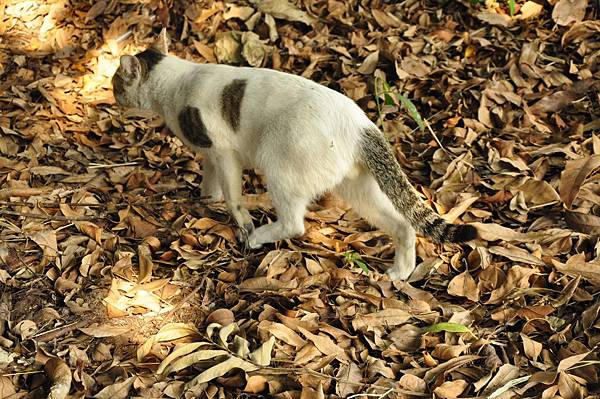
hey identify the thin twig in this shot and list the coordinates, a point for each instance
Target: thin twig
(22, 373)
(113, 165)
(97, 205)
(437, 140)
(287, 370)
(62, 330)
(58, 218)
(372, 395)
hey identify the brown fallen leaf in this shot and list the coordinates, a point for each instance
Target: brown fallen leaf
(412, 383)
(516, 254)
(119, 390)
(451, 389)
(566, 12)
(583, 222)
(532, 348)
(581, 31)
(557, 101)
(104, 330)
(60, 375)
(505, 373)
(282, 9)
(577, 266)
(325, 345)
(222, 316)
(464, 285)
(282, 332)
(386, 317)
(349, 378)
(255, 384)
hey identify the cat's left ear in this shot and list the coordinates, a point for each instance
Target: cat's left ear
(161, 44)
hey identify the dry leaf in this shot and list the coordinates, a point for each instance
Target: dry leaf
(283, 9)
(119, 390)
(464, 285)
(451, 389)
(60, 375)
(566, 12)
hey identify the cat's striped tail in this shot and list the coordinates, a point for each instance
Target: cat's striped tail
(377, 155)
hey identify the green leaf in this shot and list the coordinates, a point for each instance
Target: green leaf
(388, 99)
(362, 265)
(511, 7)
(386, 86)
(355, 259)
(412, 111)
(450, 327)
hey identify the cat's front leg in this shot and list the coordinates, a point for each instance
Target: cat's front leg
(210, 187)
(228, 169)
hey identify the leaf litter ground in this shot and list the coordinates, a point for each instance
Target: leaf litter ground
(119, 281)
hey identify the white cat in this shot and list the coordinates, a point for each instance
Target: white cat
(306, 138)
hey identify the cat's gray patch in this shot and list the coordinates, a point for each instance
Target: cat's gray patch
(148, 60)
(192, 127)
(118, 85)
(231, 102)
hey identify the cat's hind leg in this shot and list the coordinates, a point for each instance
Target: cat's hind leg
(362, 192)
(290, 208)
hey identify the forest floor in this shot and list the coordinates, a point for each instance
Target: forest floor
(118, 280)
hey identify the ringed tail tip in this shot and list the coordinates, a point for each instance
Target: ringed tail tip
(463, 232)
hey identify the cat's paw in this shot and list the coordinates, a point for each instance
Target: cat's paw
(243, 236)
(397, 274)
(253, 244)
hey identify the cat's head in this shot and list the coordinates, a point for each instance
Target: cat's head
(129, 82)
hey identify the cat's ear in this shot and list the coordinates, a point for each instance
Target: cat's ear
(161, 44)
(130, 69)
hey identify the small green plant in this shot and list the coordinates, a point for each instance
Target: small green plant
(354, 258)
(509, 3)
(388, 99)
(511, 7)
(450, 327)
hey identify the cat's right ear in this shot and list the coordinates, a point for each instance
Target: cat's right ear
(130, 69)
(162, 42)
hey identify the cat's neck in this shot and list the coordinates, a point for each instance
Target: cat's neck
(166, 82)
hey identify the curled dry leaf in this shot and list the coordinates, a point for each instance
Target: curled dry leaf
(532, 348)
(7, 388)
(412, 383)
(253, 50)
(170, 332)
(581, 31)
(583, 222)
(465, 286)
(119, 390)
(223, 317)
(104, 330)
(566, 12)
(255, 384)
(451, 389)
(283, 9)
(282, 332)
(241, 12)
(325, 345)
(228, 47)
(386, 317)
(60, 375)
(369, 64)
(577, 266)
(349, 378)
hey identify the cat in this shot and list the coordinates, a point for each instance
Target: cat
(306, 138)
